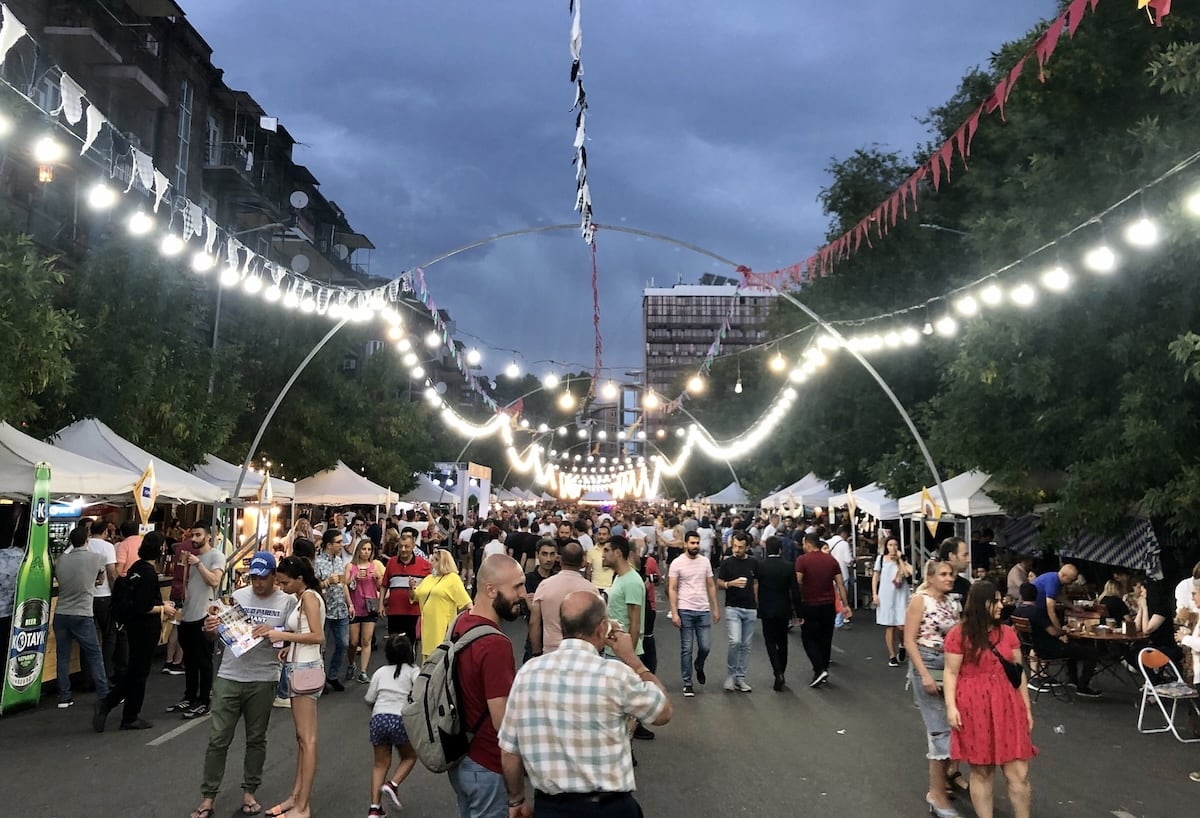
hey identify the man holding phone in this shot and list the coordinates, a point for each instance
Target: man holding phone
(404, 571)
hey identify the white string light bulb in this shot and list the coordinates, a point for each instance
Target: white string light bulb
(417, 372)
(1192, 203)
(404, 345)
(566, 401)
(778, 364)
(582, 434)
(474, 357)
(395, 332)
(991, 295)
(602, 435)
(737, 387)
(650, 401)
(433, 340)
(1100, 259)
(231, 276)
(892, 339)
(140, 224)
(171, 245)
(946, 326)
(410, 359)
(910, 336)
(1142, 233)
(524, 424)
(47, 150)
(307, 302)
(252, 284)
(513, 371)
(1056, 279)
(291, 299)
(562, 431)
(101, 196)
(1023, 295)
(202, 262)
(695, 384)
(550, 380)
(967, 306)
(609, 391)
(542, 429)
(797, 376)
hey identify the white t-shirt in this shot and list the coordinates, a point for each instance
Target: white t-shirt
(106, 550)
(389, 692)
(1183, 596)
(465, 536)
(839, 549)
(546, 530)
(494, 547)
(769, 531)
(586, 541)
(707, 537)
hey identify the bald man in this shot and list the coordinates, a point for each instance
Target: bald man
(485, 673)
(582, 765)
(545, 627)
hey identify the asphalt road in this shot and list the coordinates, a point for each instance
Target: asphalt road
(853, 748)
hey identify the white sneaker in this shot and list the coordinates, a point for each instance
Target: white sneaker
(729, 684)
(281, 702)
(741, 686)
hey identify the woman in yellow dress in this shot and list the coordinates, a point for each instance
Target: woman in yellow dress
(441, 596)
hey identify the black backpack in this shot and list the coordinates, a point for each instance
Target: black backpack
(121, 604)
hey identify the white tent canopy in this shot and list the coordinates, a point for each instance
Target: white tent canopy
(731, 495)
(599, 496)
(546, 498)
(427, 491)
(871, 499)
(224, 474)
(69, 473)
(342, 485)
(967, 495)
(791, 495)
(91, 438)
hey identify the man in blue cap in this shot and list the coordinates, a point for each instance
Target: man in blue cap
(245, 688)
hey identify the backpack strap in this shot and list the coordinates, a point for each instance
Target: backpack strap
(463, 641)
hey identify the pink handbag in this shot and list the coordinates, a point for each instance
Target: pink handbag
(304, 681)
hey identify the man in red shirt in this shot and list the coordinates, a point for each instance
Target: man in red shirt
(485, 675)
(402, 572)
(820, 578)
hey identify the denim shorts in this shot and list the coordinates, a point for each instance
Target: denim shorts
(284, 692)
(933, 708)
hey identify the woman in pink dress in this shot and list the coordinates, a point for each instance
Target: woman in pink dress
(990, 720)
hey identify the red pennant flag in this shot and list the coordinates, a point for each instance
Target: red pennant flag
(960, 140)
(946, 154)
(895, 206)
(936, 167)
(1161, 9)
(1013, 75)
(1075, 15)
(1047, 43)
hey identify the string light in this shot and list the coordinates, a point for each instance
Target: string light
(171, 245)
(231, 276)
(1142, 233)
(609, 391)
(101, 196)
(1100, 259)
(1056, 279)
(47, 150)
(395, 332)
(566, 401)
(513, 371)
(967, 306)
(778, 364)
(1023, 295)
(252, 284)
(650, 401)
(550, 380)
(202, 262)
(737, 387)
(474, 357)
(695, 384)
(433, 340)
(991, 295)
(140, 224)
(946, 326)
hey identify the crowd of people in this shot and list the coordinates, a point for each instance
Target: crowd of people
(589, 586)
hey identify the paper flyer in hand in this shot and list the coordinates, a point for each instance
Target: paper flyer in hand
(235, 627)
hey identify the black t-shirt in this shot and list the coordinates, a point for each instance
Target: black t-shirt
(1160, 600)
(734, 568)
(962, 587)
(523, 545)
(1114, 607)
(1039, 621)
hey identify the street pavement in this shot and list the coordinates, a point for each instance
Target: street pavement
(853, 748)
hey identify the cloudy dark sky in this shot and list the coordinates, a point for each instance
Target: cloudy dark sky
(434, 124)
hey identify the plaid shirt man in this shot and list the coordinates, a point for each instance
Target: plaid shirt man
(584, 689)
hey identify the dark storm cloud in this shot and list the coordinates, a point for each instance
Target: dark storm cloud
(435, 124)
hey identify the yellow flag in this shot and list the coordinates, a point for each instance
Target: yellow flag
(266, 491)
(930, 511)
(145, 492)
(851, 503)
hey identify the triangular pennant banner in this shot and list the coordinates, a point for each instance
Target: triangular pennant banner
(71, 95)
(95, 121)
(11, 31)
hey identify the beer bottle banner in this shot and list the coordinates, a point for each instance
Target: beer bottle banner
(31, 607)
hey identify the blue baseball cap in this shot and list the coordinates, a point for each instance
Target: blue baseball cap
(262, 564)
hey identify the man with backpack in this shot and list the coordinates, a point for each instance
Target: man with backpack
(485, 670)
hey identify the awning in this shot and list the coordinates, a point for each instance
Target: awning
(967, 495)
(224, 474)
(70, 473)
(342, 485)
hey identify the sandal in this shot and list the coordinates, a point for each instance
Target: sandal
(251, 807)
(956, 783)
(203, 812)
(279, 810)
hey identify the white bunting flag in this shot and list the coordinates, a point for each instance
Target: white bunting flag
(95, 121)
(71, 94)
(11, 31)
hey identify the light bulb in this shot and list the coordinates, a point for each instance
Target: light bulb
(778, 364)
(171, 245)
(1142, 233)
(252, 284)
(410, 359)
(1056, 279)
(542, 429)
(101, 196)
(581, 434)
(566, 401)
(140, 224)
(308, 303)
(512, 370)
(231, 276)
(524, 424)
(737, 387)
(1023, 295)
(798, 376)
(641, 435)
(695, 384)
(550, 380)
(395, 332)
(473, 357)
(967, 306)
(47, 150)
(602, 435)
(609, 391)
(946, 326)
(562, 431)
(417, 372)
(404, 345)
(927, 329)
(660, 434)
(650, 401)
(433, 340)
(891, 340)
(909, 336)
(1193, 203)
(202, 262)
(291, 300)
(679, 432)
(991, 295)
(1100, 259)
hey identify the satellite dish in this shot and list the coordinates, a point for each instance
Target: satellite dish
(300, 263)
(441, 387)
(298, 199)
(341, 251)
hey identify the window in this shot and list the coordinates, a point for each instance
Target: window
(46, 94)
(185, 137)
(212, 144)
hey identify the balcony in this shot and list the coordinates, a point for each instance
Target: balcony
(229, 168)
(121, 55)
(82, 42)
(134, 83)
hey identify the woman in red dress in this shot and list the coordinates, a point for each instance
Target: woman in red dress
(991, 721)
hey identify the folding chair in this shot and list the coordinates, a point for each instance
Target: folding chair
(1178, 690)
(1043, 675)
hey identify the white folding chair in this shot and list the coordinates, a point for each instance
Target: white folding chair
(1176, 691)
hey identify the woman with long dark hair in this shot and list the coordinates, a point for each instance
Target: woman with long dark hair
(890, 593)
(991, 720)
(306, 633)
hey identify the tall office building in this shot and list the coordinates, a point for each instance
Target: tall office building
(680, 322)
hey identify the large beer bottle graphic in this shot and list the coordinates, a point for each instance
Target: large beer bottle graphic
(31, 608)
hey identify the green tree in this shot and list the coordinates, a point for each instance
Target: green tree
(36, 335)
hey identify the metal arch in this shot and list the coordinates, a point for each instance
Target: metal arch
(656, 237)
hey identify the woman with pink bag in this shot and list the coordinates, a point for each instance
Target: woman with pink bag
(364, 578)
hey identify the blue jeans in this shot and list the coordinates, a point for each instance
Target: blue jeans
(69, 629)
(480, 792)
(694, 626)
(337, 634)
(740, 622)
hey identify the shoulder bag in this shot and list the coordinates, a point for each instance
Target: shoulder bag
(304, 681)
(1012, 670)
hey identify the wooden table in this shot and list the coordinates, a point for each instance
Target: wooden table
(1109, 643)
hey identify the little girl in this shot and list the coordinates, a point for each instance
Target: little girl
(388, 692)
